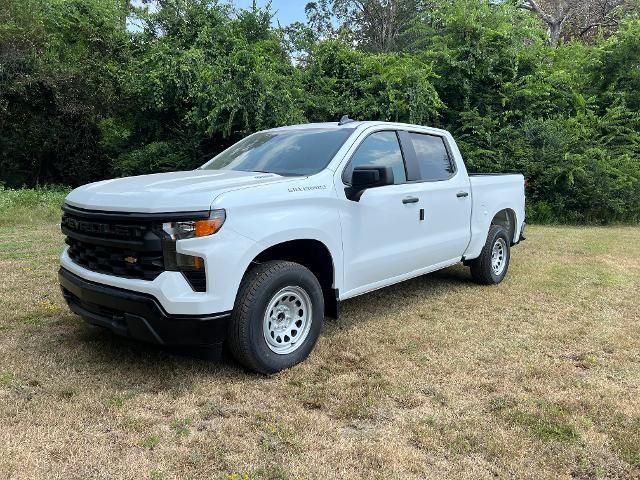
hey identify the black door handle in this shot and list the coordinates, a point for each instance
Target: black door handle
(462, 194)
(410, 200)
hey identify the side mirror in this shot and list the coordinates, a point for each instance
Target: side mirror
(364, 178)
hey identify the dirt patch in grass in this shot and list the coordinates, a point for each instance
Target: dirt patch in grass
(538, 377)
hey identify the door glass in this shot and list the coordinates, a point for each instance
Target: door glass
(380, 149)
(433, 159)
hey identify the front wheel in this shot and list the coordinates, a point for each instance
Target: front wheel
(277, 317)
(491, 266)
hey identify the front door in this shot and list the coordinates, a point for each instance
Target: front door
(383, 236)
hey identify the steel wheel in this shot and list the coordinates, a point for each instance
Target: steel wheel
(499, 256)
(287, 320)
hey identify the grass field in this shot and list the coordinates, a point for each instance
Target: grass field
(538, 377)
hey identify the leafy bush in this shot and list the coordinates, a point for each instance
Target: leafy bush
(390, 87)
(82, 98)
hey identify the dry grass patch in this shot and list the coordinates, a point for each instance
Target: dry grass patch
(538, 377)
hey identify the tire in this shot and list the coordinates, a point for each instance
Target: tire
(292, 297)
(487, 269)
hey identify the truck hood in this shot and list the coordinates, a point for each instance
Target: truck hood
(165, 192)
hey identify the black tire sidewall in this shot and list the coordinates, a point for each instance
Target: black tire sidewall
(300, 277)
(498, 233)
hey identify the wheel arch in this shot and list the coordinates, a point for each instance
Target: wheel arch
(481, 222)
(313, 254)
(507, 218)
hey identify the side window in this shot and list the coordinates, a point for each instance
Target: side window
(380, 149)
(433, 159)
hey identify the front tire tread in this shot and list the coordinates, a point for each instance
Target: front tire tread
(241, 337)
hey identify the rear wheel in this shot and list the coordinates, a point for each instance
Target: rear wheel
(277, 317)
(491, 266)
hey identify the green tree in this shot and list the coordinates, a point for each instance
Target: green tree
(391, 87)
(202, 77)
(54, 57)
(82, 98)
(374, 25)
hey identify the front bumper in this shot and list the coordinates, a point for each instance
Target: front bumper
(138, 315)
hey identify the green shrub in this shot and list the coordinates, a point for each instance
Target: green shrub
(82, 98)
(31, 205)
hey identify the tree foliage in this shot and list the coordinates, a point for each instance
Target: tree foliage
(54, 58)
(82, 97)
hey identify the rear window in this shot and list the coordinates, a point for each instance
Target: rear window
(433, 158)
(284, 152)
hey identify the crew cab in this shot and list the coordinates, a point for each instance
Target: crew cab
(255, 247)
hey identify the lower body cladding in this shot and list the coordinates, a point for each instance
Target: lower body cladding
(139, 316)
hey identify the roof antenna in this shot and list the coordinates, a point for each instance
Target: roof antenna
(345, 119)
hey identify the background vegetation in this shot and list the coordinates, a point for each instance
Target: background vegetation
(551, 89)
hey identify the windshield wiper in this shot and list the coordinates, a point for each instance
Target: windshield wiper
(280, 174)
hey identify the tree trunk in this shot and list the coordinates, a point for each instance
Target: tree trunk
(554, 22)
(555, 31)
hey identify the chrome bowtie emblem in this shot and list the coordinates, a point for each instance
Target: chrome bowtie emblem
(130, 260)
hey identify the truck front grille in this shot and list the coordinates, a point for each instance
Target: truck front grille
(116, 261)
(114, 243)
(129, 245)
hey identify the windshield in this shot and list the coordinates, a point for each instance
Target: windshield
(284, 152)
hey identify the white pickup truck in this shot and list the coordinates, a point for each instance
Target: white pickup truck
(257, 245)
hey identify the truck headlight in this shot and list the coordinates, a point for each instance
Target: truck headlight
(195, 228)
(191, 266)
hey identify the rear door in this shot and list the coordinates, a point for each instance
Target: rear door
(445, 196)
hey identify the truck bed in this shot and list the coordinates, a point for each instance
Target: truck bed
(493, 192)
